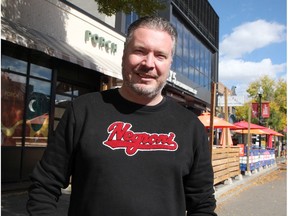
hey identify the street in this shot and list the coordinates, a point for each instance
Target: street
(265, 196)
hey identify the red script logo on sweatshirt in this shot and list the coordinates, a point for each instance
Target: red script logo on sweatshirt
(121, 137)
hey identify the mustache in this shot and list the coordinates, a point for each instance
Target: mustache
(146, 73)
(144, 69)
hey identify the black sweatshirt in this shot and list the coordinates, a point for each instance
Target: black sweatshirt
(125, 159)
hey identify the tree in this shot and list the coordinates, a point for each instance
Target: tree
(142, 8)
(275, 93)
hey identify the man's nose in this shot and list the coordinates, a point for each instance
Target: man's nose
(149, 60)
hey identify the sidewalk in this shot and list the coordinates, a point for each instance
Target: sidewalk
(13, 203)
(224, 191)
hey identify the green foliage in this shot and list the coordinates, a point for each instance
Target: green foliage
(242, 112)
(142, 8)
(274, 92)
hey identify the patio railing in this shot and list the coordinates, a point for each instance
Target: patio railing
(226, 163)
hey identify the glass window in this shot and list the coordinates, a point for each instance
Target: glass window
(178, 64)
(77, 91)
(180, 41)
(37, 114)
(65, 93)
(186, 46)
(14, 81)
(12, 107)
(185, 69)
(192, 57)
(197, 77)
(9, 64)
(41, 72)
(131, 17)
(191, 73)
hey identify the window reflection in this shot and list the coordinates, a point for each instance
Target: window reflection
(11, 64)
(192, 58)
(37, 112)
(41, 72)
(12, 108)
(40, 86)
(14, 82)
(65, 93)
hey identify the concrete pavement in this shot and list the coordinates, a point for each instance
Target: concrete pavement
(266, 195)
(13, 202)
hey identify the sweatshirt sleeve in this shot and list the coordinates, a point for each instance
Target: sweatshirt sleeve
(53, 171)
(198, 184)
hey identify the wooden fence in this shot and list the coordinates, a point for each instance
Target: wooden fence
(226, 163)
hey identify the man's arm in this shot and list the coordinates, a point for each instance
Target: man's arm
(198, 184)
(53, 171)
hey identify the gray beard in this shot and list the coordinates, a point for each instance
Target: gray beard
(145, 92)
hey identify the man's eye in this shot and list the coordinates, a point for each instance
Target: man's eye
(161, 57)
(138, 51)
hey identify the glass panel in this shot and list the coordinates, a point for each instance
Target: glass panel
(178, 65)
(131, 17)
(59, 112)
(180, 41)
(197, 77)
(192, 52)
(37, 113)
(64, 88)
(191, 73)
(11, 64)
(62, 100)
(185, 70)
(77, 91)
(186, 46)
(42, 72)
(12, 108)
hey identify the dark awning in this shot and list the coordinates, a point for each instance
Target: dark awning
(30, 38)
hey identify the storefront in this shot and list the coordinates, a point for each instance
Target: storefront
(43, 68)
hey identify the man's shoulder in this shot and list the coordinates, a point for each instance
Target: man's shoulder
(91, 97)
(178, 108)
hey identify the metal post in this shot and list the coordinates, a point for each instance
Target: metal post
(249, 141)
(260, 92)
(212, 111)
(225, 130)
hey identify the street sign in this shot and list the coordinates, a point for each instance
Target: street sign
(231, 101)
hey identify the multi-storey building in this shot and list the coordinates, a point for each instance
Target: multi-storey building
(55, 50)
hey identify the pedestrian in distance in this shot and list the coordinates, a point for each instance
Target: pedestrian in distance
(129, 151)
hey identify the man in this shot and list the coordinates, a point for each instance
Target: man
(130, 151)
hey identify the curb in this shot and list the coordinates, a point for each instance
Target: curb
(241, 182)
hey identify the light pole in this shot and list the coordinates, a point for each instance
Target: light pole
(260, 93)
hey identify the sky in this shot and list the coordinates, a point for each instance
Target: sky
(252, 41)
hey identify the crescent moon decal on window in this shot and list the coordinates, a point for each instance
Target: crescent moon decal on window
(31, 105)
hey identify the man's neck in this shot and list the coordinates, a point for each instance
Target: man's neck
(140, 99)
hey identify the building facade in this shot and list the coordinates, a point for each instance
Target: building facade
(53, 51)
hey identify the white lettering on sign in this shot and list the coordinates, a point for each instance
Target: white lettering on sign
(100, 42)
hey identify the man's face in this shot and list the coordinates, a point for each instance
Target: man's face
(146, 62)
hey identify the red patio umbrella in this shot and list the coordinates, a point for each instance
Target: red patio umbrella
(244, 125)
(252, 131)
(272, 132)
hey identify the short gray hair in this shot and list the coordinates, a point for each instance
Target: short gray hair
(153, 22)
